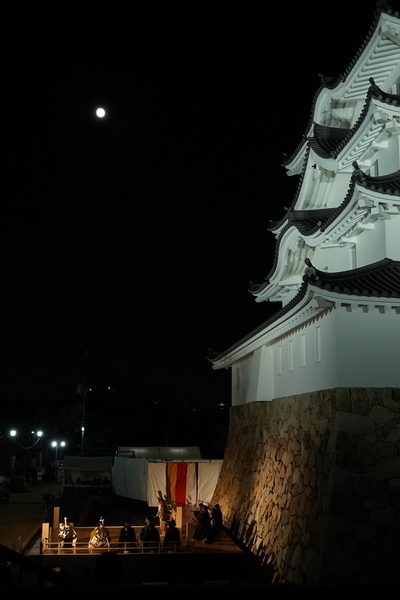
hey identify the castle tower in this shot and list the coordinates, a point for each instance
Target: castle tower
(317, 385)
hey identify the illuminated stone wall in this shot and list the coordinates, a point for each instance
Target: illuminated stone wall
(311, 485)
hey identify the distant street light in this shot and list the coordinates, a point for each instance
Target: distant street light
(55, 445)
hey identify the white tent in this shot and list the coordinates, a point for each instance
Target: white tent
(187, 482)
(88, 468)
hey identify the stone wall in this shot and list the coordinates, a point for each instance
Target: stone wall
(311, 485)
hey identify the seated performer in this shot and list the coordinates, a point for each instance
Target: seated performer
(100, 536)
(67, 534)
(172, 538)
(149, 535)
(127, 537)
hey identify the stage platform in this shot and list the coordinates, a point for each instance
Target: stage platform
(193, 562)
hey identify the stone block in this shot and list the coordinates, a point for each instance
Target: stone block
(381, 516)
(352, 423)
(296, 557)
(361, 488)
(368, 553)
(360, 408)
(342, 564)
(394, 483)
(340, 482)
(385, 449)
(351, 464)
(365, 532)
(343, 399)
(386, 467)
(393, 499)
(343, 506)
(366, 452)
(391, 398)
(323, 426)
(381, 414)
(374, 395)
(371, 438)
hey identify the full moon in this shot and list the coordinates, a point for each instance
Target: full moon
(100, 112)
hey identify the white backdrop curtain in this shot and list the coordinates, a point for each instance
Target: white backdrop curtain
(208, 474)
(157, 480)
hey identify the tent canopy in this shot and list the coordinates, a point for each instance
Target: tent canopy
(161, 452)
(88, 463)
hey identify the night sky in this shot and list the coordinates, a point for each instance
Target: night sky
(136, 236)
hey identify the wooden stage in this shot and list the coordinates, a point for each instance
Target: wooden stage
(194, 562)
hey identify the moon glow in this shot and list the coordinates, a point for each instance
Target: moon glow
(100, 112)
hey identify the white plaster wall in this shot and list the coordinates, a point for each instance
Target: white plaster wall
(266, 383)
(371, 244)
(306, 360)
(333, 260)
(392, 227)
(338, 190)
(369, 348)
(240, 380)
(254, 376)
(342, 348)
(262, 382)
(389, 158)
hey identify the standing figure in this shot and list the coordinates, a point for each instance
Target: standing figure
(218, 515)
(39, 477)
(211, 532)
(201, 520)
(100, 536)
(162, 513)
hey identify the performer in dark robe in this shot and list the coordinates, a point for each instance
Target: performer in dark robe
(172, 538)
(127, 537)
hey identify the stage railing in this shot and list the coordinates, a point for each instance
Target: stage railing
(121, 547)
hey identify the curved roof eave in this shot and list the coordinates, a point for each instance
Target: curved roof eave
(385, 184)
(330, 218)
(284, 311)
(378, 282)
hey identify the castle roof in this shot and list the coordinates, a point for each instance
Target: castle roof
(383, 63)
(338, 212)
(380, 280)
(315, 221)
(328, 142)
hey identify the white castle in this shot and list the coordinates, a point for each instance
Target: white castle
(336, 271)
